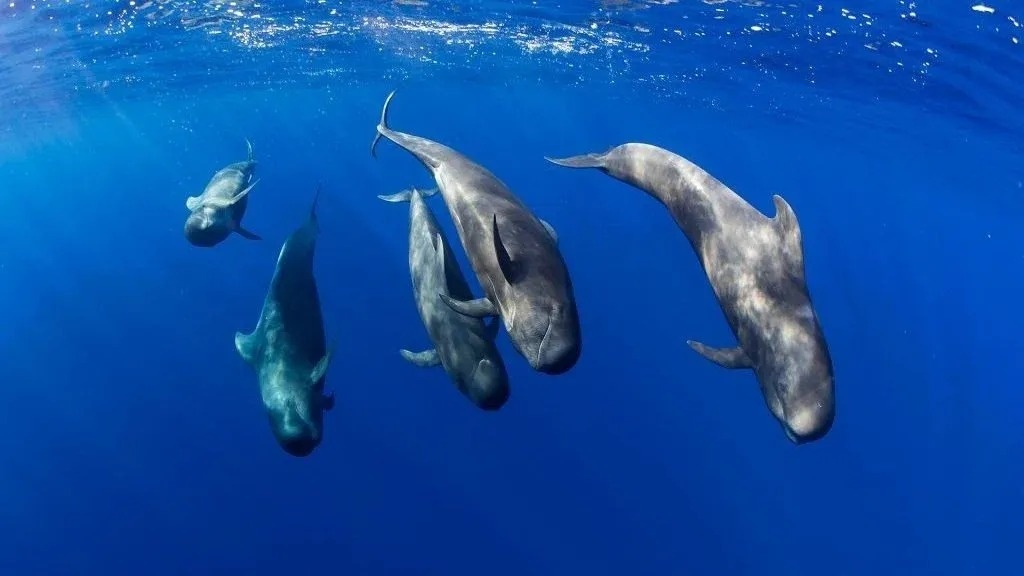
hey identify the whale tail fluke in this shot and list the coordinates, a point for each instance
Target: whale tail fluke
(582, 161)
(313, 220)
(403, 196)
(316, 199)
(382, 126)
(406, 195)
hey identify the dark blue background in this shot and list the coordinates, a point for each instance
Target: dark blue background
(134, 442)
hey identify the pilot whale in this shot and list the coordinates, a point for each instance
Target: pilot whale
(513, 253)
(756, 268)
(288, 347)
(463, 345)
(218, 211)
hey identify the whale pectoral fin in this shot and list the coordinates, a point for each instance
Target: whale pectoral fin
(788, 227)
(228, 202)
(509, 269)
(245, 233)
(192, 203)
(724, 357)
(479, 308)
(320, 369)
(428, 193)
(424, 359)
(491, 330)
(551, 230)
(582, 161)
(243, 193)
(327, 401)
(248, 347)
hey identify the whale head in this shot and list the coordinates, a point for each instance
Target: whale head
(802, 381)
(207, 226)
(296, 434)
(487, 386)
(549, 337)
(809, 410)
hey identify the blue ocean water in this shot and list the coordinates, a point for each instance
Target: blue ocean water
(133, 436)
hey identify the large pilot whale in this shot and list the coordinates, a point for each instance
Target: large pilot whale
(463, 345)
(288, 348)
(514, 254)
(218, 211)
(756, 268)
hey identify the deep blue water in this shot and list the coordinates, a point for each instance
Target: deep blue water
(133, 437)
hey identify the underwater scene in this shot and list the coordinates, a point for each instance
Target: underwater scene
(424, 287)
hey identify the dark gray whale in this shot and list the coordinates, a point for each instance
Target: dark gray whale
(514, 254)
(218, 211)
(756, 267)
(288, 349)
(463, 345)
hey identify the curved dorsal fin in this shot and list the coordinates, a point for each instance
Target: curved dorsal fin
(509, 268)
(788, 228)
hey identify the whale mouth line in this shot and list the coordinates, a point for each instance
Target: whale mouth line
(544, 342)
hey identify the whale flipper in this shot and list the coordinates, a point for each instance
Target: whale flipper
(237, 229)
(591, 160)
(228, 202)
(551, 230)
(192, 203)
(724, 357)
(479, 308)
(320, 369)
(249, 346)
(424, 359)
(327, 401)
(491, 330)
(509, 268)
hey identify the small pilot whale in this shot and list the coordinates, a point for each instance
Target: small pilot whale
(756, 267)
(218, 211)
(288, 347)
(463, 345)
(514, 254)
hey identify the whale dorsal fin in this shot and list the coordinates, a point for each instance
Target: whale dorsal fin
(509, 268)
(788, 227)
(439, 254)
(249, 347)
